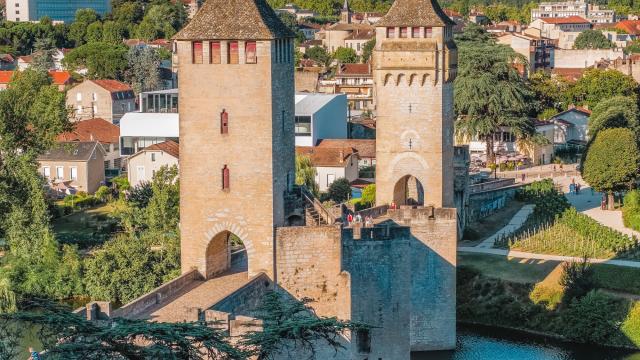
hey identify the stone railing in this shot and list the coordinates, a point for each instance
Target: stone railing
(158, 295)
(491, 185)
(374, 212)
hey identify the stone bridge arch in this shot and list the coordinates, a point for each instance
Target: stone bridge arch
(217, 248)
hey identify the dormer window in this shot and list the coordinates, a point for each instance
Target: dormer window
(232, 51)
(250, 52)
(404, 32)
(196, 52)
(415, 32)
(214, 53)
(391, 32)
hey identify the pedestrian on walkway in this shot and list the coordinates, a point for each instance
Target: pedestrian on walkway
(358, 218)
(349, 219)
(578, 189)
(33, 355)
(523, 177)
(393, 205)
(572, 188)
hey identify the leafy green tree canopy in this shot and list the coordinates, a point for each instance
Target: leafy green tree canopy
(339, 190)
(319, 54)
(615, 112)
(102, 60)
(592, 39)
(611, 162)
(345, 55)
(596, 85)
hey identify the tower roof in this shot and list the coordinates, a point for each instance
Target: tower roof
(345, 5)
(415, 13)
(234, 19)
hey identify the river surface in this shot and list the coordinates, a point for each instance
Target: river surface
(485, 343)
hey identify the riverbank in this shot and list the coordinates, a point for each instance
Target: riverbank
(538, 307)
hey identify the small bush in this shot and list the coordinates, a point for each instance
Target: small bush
(631, 325)
(577, 280)
(591, 319)
(140, 195)
(547, 296)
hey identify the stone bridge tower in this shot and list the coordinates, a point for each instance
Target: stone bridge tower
(235, 65)
(414, 67)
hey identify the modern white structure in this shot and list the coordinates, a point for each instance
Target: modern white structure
(320, 116)
(571, 127)
(591, 12)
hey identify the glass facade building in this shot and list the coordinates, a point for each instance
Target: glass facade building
(65, 10)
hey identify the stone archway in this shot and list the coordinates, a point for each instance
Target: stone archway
(408, 190)
(225, 251)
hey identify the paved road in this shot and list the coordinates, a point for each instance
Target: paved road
(525, 255)
(588, 203)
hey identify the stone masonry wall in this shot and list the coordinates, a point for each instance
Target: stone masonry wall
(308, 262)
(252, 150)
(433, 276)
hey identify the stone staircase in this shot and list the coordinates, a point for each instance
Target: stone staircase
(312, 216)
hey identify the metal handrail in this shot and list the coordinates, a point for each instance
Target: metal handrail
(317, 205)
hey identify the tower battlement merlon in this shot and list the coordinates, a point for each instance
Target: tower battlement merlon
(413, 27)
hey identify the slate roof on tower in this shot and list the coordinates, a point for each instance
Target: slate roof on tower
(235, 19)
(415, 13)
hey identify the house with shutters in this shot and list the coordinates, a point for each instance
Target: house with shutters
(105, 99)
(142, 166)
(73, 166)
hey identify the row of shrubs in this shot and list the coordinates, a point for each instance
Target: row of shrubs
(594, 317)
(81, 200)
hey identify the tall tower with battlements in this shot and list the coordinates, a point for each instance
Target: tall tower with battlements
(415, 63)
(235, 60)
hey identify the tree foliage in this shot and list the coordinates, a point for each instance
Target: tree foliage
(489, 91)
(367, 50)
(345, 55)
(32, 114)
(319, 54)
(339, 190)
(147, 253)
(597, 84)
(142, 70)
(306, 173)
(615, 112)
(592, 39)
(101, 60)
(611, 162)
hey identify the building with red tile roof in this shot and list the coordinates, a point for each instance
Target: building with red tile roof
(631, 27)
(106, 99)
(102, 131)
(146, 162)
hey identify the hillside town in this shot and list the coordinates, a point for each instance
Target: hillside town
(253, 179)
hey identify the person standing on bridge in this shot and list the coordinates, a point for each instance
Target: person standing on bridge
(349, 219)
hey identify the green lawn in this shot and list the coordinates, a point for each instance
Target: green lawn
(86, 228)
(610, 277)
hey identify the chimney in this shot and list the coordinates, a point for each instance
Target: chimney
(341, 156)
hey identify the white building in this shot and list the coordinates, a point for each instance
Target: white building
(591, 12)
(571, 127)
(331, 163)
(320, 116)
(143, 165)
(563, 29)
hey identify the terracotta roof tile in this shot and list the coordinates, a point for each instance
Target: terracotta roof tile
(5, 76)
(566, 20)
(112, 85)
(235, 19)
(60, 77)
(629, 26)
(354, 69)
(361, 35)
(93, 130)
(170, 147)
(364, 147)
(349, 27)
(571, 74)
(415, 13)
(325, 156)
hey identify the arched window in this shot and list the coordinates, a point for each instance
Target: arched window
(224, 122)
(225, 178)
